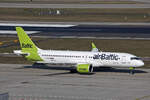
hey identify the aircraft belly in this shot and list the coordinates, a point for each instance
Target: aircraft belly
(116, 64)
(77, 61)
(111, 63)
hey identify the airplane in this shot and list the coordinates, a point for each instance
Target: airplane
(83, 61)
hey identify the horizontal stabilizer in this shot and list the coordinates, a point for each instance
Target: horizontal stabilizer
(19, 52)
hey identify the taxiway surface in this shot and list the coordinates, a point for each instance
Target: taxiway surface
(29, 5)
(56, 83)
(83, 31)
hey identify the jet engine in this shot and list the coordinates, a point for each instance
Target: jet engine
(84, 68)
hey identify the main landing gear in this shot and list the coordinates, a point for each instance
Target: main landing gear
(73, 70)
(38, 64)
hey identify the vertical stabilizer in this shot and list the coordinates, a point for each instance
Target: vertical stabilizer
(25, 41)
(27, 46)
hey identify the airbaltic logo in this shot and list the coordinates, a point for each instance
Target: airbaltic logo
(106, 57)
(26, 45)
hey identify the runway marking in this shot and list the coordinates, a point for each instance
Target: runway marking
(14, 32)
(37, 25)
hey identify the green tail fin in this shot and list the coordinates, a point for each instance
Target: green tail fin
(93, 45)
(94, 49)
(25, 42)
(27, 45)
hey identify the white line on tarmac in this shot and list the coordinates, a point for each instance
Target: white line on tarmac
(37, 25)
(14, 32)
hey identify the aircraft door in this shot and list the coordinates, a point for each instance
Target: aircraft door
(123, 60)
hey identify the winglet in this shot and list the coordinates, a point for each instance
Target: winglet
(94, 49)
(93, 45)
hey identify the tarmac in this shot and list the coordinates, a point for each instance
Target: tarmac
(145, 1)
(24, 82)
(29, 5)
(127, 30)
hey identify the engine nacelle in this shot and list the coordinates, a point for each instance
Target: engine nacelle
(84, 68)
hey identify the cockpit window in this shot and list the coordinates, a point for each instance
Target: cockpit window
(135, 58)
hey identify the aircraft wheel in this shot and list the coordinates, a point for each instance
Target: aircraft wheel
(73, 71)
(38, 64)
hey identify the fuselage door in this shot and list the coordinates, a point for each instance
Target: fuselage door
(123, 60)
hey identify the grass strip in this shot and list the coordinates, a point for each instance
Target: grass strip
(75, 15)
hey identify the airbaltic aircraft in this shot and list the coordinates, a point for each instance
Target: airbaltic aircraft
(83, 61)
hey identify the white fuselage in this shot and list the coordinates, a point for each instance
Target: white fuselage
(111, 59)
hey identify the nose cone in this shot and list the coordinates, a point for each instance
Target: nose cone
(140, 64)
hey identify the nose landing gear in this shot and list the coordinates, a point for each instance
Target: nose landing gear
(131, 70)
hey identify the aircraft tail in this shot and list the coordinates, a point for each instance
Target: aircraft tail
(25, 42)
(27, 46)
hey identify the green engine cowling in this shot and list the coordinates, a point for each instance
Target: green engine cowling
(84, 68)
